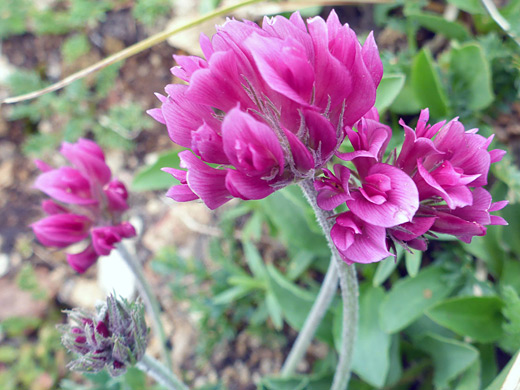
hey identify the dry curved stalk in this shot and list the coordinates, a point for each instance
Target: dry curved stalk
(162, 36)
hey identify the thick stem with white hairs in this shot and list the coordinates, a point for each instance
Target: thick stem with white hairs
(349, 291)
(150, 302)
(161, 374)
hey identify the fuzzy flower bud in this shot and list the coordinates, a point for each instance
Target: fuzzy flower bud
(114, 337)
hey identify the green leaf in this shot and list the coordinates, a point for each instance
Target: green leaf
(470, 77)
(511, 311)
(74, 47)
(488, 363)
(388, 89)
(477, 317)
(413, 262)
(395, 371)
(296, 304)
(489, 249)
(371, 359)
(152, 178)
(450, 357)
(231, 294)
(497, 384)
(296, 383)
(406, 102)
(470, 6)
(254, 261)
(386, 267)
(470, 380)
(410, 297)
(289, 213)
(274, 310)
(440, 25)
(427, 86)
(134, 379)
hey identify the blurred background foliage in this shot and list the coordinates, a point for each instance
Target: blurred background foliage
(446, 319)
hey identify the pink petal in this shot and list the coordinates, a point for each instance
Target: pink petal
(358, 241)
(61, 230)
(372, 59)
(82, 261)
(183, 116)
(207, 143)
(247, 187)
(302, 157)
(251, 146)
(206, 182)
(402, 200)
(66, 185)
(289, 72)
(88, 157)
(323, 138)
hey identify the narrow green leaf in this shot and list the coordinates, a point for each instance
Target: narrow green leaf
(450, 357)
(440, 25)
(274, 309)
(231, 294)
(386, 267)
(477, 317)
(427, 86)
(413, 262)
(254, 260)
(410, 297)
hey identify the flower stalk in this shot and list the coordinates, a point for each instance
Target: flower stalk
(150, 301)
(349, 291)
(160, 373)
(313, 320)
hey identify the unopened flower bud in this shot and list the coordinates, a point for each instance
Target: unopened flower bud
(114, 337)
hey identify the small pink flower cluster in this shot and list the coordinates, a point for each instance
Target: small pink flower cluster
(267, 106)
(87, 205)
(433, 185)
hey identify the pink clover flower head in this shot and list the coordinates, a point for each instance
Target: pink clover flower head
(433, 185)
(86, 205)
(268, 105)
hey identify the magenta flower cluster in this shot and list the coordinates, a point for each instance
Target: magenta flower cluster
(434, 185)
(267, 107)
(87, 205)
(271, 105)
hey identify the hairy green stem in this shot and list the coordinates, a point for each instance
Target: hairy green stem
(160, 373)
(150, 302)
(313, 320)
(349, 292)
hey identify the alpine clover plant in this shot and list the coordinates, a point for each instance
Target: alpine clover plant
(269, 106)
